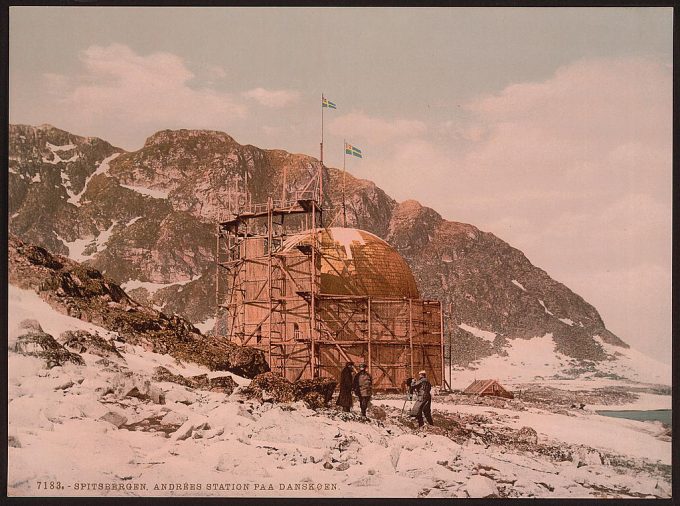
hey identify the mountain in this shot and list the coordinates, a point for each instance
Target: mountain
(147, 219)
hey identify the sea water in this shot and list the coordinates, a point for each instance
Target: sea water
(662, 415)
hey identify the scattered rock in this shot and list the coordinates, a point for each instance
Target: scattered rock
(328, 465)
(13, 442)
(343, 466)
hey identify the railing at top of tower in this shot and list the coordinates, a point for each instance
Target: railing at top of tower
(245, 208)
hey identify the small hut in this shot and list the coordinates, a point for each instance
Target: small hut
(488, 387)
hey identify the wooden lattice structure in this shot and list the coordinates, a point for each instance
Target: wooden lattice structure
(313, 298)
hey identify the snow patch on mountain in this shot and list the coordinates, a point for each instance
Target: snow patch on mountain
(77, 247)
(55, 154)
(65, 147)
(103, 168)
(149, 192)
(154, 287)
(519, 285)
(545, 308)
(483, 334)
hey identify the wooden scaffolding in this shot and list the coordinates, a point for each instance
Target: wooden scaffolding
(270, 296)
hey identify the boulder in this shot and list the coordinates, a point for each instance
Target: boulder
(37, 343)
(586, 457)
(223, 384)
(376, 412)
(114, 419)
(160, 373)
(129, 384)
(322, 388)
(173, 418)
(80, 341)
(189, 427)
(270, 387)
(527, 435)
(278, 388)
(479, 486)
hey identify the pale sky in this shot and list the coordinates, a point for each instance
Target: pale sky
(551, 128)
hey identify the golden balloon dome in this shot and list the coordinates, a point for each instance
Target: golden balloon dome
(356, 262)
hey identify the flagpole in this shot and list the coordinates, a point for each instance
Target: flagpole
(344, 171)
(321, 166)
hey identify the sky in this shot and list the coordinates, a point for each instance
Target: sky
(549, 127)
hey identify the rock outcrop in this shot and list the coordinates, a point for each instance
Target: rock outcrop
(85, 293)
(33, 341)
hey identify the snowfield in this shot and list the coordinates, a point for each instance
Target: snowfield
(73, 433)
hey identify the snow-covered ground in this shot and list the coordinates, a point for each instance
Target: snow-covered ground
(220, 445)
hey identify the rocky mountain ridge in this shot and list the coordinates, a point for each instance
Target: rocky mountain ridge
(147, 219)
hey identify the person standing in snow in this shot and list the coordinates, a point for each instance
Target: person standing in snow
(423, 404)
(345, 395)
(363, 388)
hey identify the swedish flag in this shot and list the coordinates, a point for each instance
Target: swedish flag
(327, 103)
(352, 150)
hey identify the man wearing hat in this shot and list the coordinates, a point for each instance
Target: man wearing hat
(363, 388)
(423, 404)
(345, 395)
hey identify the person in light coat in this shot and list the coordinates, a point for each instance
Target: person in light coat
(363, 388)
(423, 405)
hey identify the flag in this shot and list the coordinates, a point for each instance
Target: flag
(352, 150)
(327, 103)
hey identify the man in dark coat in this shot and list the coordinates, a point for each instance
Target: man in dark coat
(363, 388)
(345, 395)
(423, 404)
